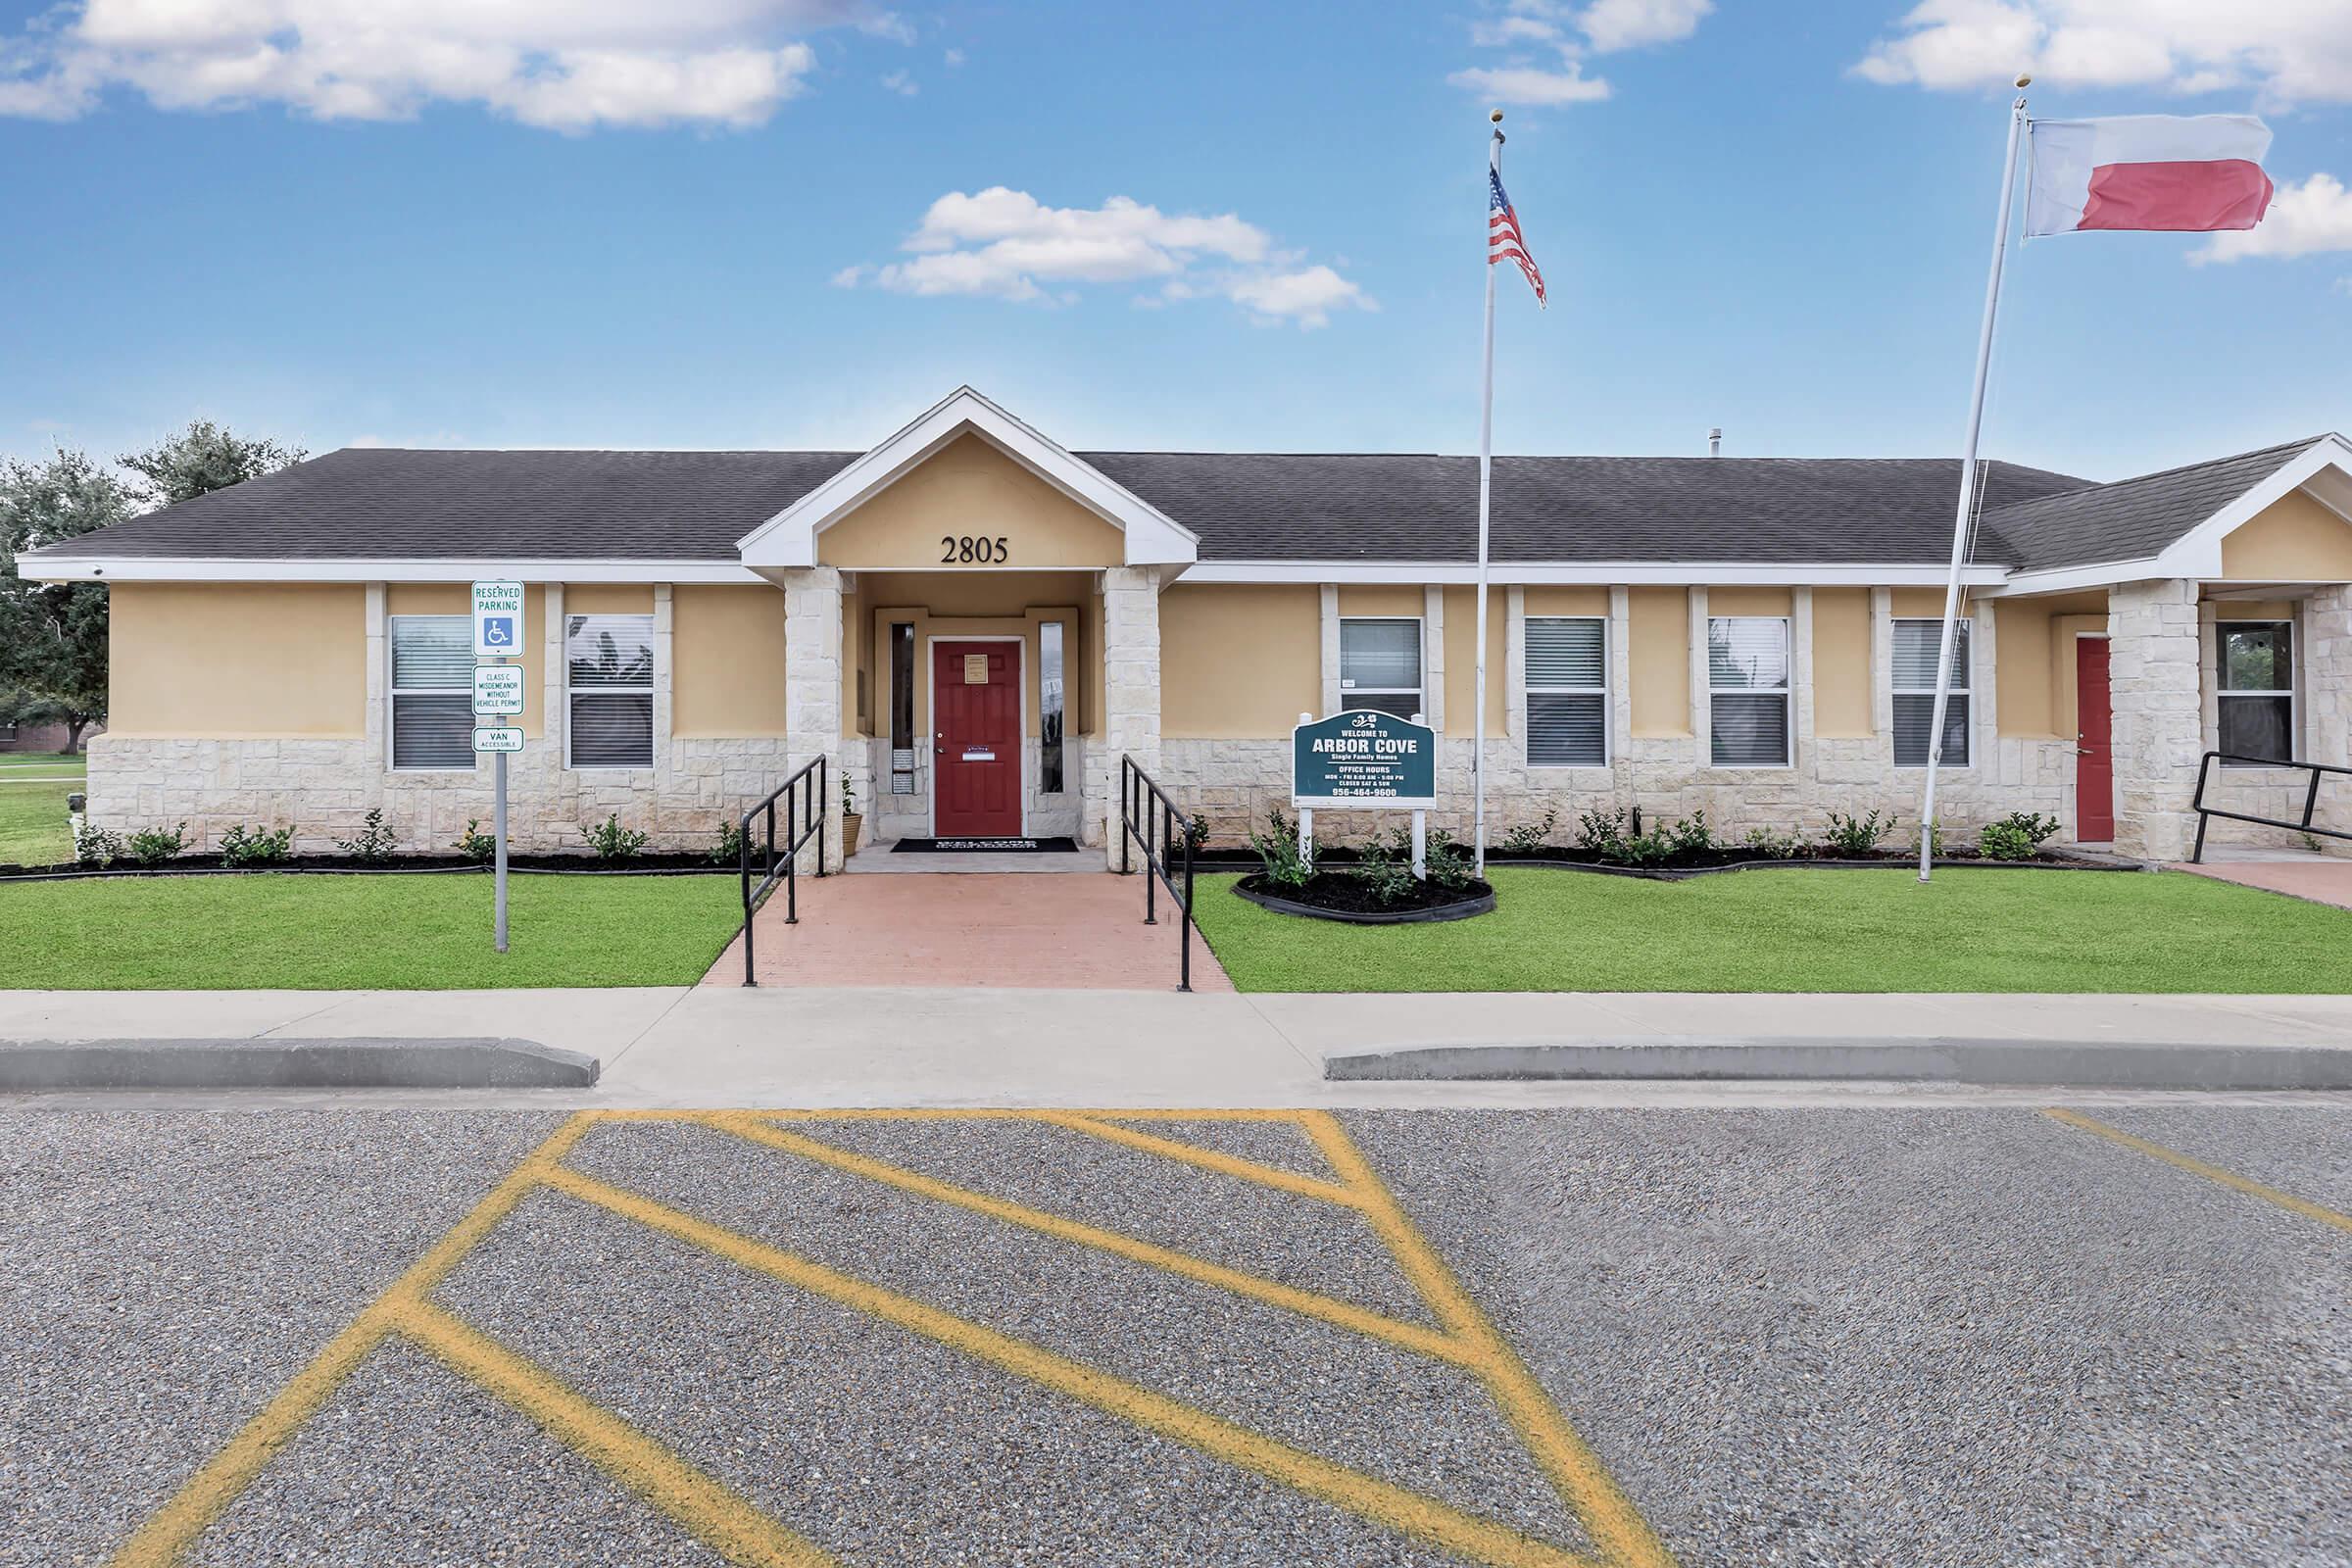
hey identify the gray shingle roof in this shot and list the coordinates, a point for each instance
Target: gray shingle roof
(2131, 519)
(370, 503)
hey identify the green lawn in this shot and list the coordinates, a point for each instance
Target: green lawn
(44, 763)
(314, 932)
(1817, 930)
(32, 822)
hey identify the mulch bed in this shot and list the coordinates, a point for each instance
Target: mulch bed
(1340, 895)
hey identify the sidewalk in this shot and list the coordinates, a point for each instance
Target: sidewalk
(710, 1047)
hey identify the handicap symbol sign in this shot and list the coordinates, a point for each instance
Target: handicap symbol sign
(497, 620)
(498, 631)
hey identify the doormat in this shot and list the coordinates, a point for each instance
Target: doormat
(989, 846)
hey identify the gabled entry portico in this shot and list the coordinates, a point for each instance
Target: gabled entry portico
(972, 628)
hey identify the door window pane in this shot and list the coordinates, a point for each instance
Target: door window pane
(1049, 699)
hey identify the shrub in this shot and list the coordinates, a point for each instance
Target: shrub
(2017, 836)
(1530, 838)
(1692, 835)
(1855, 837)
(240, 850)
(1602, 833)
(476, 844)
(97, 848)
(1654, 848)
(1386, 878)
(1195, 829)
(1449, 868)
(613, 842)
(727, 848)
(156, 845)
(1766, 845)
(1278, 852)
(375, 841)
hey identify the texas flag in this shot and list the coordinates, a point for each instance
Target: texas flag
(2186, 174)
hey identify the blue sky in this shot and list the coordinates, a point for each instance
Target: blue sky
(589, 223)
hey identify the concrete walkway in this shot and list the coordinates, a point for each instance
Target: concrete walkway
(989, 930)
(2298, 873)
(714, 1046)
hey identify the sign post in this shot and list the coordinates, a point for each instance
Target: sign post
(1365, 760)
(498, 694)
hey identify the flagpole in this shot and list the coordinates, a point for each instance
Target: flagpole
(1968, 487)
(1486, 467)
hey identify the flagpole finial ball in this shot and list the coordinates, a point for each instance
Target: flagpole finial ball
(2024, 80)
(1494, 114)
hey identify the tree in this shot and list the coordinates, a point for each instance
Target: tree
(204, 457)
(53, 636)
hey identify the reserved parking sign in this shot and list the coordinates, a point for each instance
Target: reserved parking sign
(497, 620)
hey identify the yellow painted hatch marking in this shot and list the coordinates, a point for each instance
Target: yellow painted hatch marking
(722, 1518)
(1401, 1509)
(2197, 1167)
(1573, 1468)
(1309, 1303)
(1248, 1170)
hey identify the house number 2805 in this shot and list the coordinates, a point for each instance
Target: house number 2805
(968, 548)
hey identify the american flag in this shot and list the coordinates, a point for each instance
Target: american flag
(1503, 238)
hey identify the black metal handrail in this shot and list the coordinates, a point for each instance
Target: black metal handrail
(803, 792)
(2311, 798)
(1142, 808)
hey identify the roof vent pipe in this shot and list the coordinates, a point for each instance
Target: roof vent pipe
(1715, 442)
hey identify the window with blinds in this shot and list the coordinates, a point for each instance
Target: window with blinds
(1747, 691)
(1380, 665)
(1915, 643)
(433, 691)
(2254, 687)
(608, 674)
(1567, 690)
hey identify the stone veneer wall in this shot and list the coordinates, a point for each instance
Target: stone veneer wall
(2159, 733)
(323, 788)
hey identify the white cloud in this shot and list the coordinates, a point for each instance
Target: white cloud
(567, 65)
(1533, 84)
(1554, 36)
(2286, 51)
(901, 82)
(954, 59)
(2306, 219)
(1005, 244)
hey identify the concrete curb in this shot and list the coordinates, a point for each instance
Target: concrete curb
(283, 1063)
(2027, 1063)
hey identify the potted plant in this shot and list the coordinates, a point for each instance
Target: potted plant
(851, 822)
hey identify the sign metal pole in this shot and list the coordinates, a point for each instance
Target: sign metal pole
(497, 695)
(498, 825)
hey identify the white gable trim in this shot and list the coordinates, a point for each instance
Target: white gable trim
(789, 538)
(2325, 468)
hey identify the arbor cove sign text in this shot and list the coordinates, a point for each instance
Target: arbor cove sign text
(1364, 759)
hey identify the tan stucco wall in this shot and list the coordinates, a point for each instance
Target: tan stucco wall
(969, 487)
(230, 661)
(2033, 651)
(1657, 678)
(1841, 699)
(1381, 599)
(1461, 654)
(2294, 539)
(1240, 659)
(1565, 600)
(456, 599)
(726, 661)
(1750, 601)
(609, 599)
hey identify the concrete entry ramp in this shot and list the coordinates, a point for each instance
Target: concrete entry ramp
(28, 1065)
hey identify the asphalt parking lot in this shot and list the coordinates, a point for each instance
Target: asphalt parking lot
(1897, 1334)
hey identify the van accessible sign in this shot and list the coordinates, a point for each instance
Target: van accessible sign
(1365, 758)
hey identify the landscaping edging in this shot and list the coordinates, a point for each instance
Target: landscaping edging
(2046, 862)
(1460, 910)
(75, 874)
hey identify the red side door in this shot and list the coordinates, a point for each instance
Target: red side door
(976, 745)
(2094, 742)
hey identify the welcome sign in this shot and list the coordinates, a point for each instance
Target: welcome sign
(1365, 758)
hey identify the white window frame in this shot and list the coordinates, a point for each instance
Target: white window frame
(1420, 693)
(2295, 674)
(394, 692)
(652, 677)
(1786, 692)
(1531, 690)
(1963, 625)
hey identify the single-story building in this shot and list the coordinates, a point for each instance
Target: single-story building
(975, 624)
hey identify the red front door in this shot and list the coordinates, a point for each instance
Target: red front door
(976, 745)
(2094, 742)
